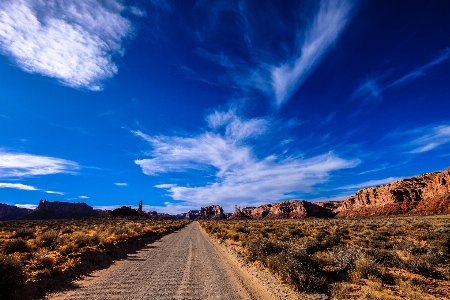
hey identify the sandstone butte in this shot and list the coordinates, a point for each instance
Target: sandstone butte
(425, 194)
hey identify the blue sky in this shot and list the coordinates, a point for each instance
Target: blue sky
(190, 103)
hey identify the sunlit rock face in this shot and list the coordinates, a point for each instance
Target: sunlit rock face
(292, 209)
(425, 194)
(212, 212)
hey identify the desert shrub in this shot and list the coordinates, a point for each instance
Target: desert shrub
(66, 249)
(296, 233)
(47, 261)
(345, 256)
(66, 229)
(365, 267)
(81, 239)
(412, 291)
(12, 276)
(242, 229)
(340, 290)
(422, 265)
(119, 229)
(296, 267)
(16, 245)
(235, 237)
(48, 239)
(73, 263)
(23, 233)
(385, 257)
(312, 246)
(331, 240)
(260, 249)
(321, 235)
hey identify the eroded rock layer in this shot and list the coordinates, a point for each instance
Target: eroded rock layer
(293, 209)
(424, 194)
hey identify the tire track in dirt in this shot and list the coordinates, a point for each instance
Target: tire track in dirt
(182, 265)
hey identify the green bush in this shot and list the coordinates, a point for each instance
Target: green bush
(12, 276)
(16, 245)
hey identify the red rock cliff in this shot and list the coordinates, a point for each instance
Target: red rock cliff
(424, 194)
(293, 209)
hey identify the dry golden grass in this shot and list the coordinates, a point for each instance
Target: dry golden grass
(33, 249)
(371, 258)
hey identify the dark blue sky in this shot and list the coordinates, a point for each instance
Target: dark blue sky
(189, 103)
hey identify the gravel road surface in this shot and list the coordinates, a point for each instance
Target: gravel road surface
(182, 265)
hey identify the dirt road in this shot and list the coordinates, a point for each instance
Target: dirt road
(182, 265)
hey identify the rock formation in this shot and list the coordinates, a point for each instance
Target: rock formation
(10, 212)
(238, 215)
(212, 212)
(292, 209)
(192, 214)
(60, 210)
(424, 194)
(125, 211)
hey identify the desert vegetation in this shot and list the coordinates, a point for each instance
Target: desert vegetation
(32, 250)
(368, 258)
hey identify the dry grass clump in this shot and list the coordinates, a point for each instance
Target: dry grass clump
(12, 276)
(371, 258)
(33, 249)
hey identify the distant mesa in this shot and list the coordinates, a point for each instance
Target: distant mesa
(424, 194)
(60, 210)
(11, 212)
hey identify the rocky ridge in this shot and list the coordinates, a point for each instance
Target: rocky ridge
(60, 210)
(292, 209)
(11, 212)
(424, 194)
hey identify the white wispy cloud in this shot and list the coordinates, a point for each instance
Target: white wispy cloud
(72, 41)
(23, 165)
(373, 87)
(53, 192)
(429, 138)
(327, 26)
(121, 183)
(277, 73)
(83, 197)
(18, 186)
(421, 70)
(239, 176)
(29, 206)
